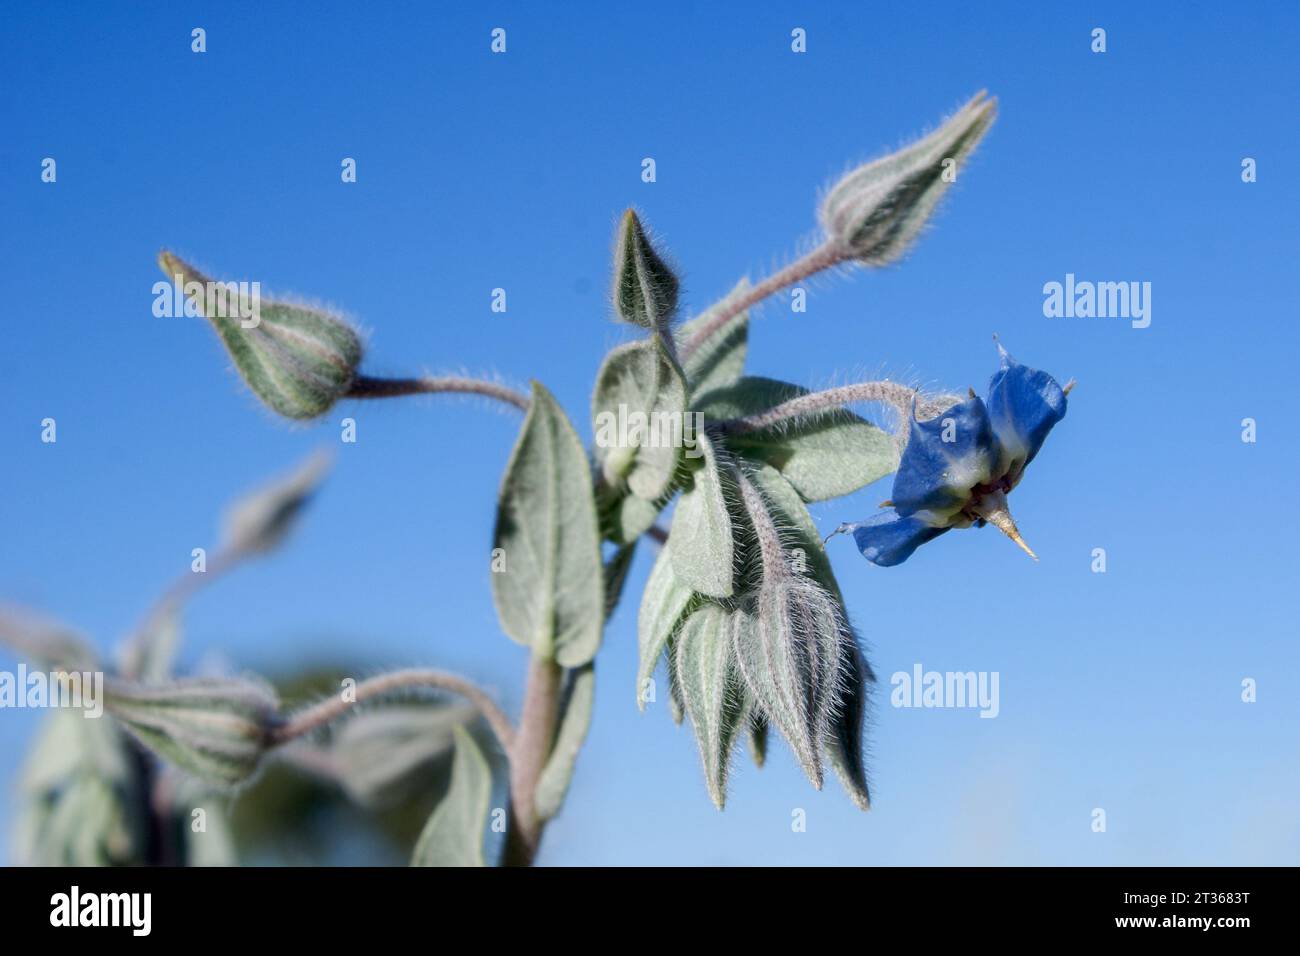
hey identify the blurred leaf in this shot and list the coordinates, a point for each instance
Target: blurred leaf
(616, 569)
(215, 728)
(379, 753)
(454, 833)
(576, 721)
(550, 596)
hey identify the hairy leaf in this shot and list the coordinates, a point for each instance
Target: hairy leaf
(826, 456)
(719, 360)
(711, 691)
(553, 784)
(637, 412)
(663, 603)
(454, 834)
(700, 544)
(787, 644)
(550, 595)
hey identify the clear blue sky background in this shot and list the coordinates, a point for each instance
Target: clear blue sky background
(1118, 690)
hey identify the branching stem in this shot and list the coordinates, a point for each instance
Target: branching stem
(899, 396)
(830, 253)
(320, 714)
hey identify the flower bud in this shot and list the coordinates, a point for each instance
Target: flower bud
(645, 289)
(259, 522)
(297, 360)
(876, 210)
(214, 728)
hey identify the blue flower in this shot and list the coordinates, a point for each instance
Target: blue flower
(959, 466)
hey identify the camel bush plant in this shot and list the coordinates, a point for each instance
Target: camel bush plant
(742, 601)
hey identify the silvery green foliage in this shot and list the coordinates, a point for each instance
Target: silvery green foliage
(878, 209)
(455, 831)
(579, 698)
(217, 729)
(720, 359)
(705, 670)
(645, 289)
(298, 360)
(80, 797)
(640, 378)
(824, 456)
(379, 753)
(741, 602)
(550, 594)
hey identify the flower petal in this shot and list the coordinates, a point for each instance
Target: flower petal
(945, 458)
(1024, 404)
(888, 539)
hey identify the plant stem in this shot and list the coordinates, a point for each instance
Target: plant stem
(178, 592)
(899, 396)
(537, 724)
(829, 253)
(364, 386)
(320, 714)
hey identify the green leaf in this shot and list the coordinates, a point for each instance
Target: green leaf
(787, 644)
(711, 691)
(664, 602)
(756, 728)
(719, 360)
(616, 569)
(550, 595)
(700, 544)
(553, 784)
(454, 834)
(637, 411)
(625, 517)
(645, 289)
(380, 753)
(832, 454)
(844, 742)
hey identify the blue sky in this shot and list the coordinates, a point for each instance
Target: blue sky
(1118, 690)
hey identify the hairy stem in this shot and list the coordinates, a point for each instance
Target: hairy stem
(137, 646)
(899, 396)
(829, 253)
(320, 714)
(363, 386)
(532, 748)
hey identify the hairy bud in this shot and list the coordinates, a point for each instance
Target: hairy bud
(216, 729)
(299, 361)
(259, 522)
(876, 210)
(645, 289)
